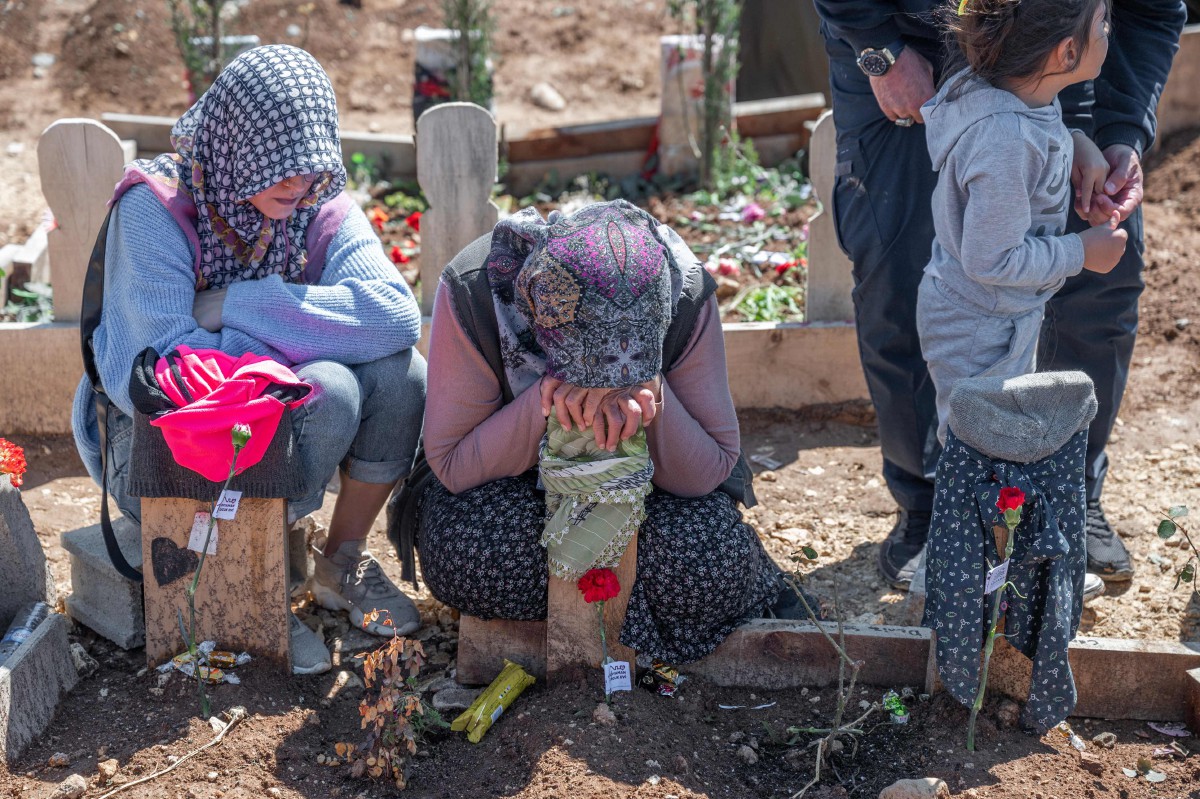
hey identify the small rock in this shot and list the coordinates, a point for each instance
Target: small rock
(454, 699)
(71, 788)
(768, 477)
(439, 660)
(736, 736)
(294, 31)
(747, 755)
(59, 760)
(85, 664)
(726, 287)
(211, 776)
(274, 792)
(924, 788)
(797, 759)
(1105, 739)
(632, 83)
(440, 684)
(1008, 714)
(345, 680)
(122, 48)
(679, 764)
(1182, 324)
(604, 716)
(44, 59)
(107, 769)
(546, 96)
(1090, 763)
(16, 148)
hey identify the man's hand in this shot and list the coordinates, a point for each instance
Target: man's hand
(1122, 188)
(906, 86)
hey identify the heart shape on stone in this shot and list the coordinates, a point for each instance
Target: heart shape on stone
(170, 562)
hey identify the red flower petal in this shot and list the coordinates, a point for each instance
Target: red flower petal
(1010, 499)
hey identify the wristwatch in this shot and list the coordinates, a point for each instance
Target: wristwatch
(876, 61)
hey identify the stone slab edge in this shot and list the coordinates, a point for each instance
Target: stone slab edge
(32, 682)
(1193, 700)
(1117, 678)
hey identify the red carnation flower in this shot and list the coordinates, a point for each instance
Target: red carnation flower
(398, 256)
(12, 463)
(378, 217)
(599, 585)
(1010, 499)
(414, 221)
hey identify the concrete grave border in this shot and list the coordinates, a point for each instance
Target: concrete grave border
(763, 360)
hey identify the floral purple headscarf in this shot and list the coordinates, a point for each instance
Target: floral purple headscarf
(270, 115)
(586, 298)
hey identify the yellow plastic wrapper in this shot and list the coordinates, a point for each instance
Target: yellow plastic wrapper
(492, 702)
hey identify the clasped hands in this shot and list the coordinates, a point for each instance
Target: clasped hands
(613, 414)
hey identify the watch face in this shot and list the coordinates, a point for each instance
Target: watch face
(873, 63)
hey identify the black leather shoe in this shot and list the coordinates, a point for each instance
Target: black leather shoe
(788, 606)
(900, 552)
(1106, 554)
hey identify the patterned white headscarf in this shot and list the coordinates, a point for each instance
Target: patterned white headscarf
(270, 115)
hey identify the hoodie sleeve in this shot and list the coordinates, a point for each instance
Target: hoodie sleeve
(1145, 38)
(864, 23)
(998, 176)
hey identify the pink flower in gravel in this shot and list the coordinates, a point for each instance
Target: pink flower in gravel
(728, 267)
(752, 213)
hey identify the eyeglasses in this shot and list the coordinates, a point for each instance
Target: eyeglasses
(297, 182)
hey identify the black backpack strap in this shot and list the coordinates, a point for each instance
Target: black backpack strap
(466, 279)
(89, 320)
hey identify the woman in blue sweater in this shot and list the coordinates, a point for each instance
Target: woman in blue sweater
(243, 240)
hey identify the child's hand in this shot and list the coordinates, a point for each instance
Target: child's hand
(1103, 246)
(1089, 171)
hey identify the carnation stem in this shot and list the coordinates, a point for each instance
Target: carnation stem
(190, 591)
(603, 648)
(997, 601)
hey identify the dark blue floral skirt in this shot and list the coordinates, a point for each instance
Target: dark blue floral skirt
(701, 570)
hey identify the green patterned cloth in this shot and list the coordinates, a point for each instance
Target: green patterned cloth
(595, 498)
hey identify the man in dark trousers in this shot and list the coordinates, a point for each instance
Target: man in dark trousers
(885, 58)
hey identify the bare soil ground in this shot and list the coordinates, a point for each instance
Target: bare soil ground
(827, 493)
(119, 55)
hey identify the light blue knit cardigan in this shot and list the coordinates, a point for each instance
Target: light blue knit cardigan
(360, 311)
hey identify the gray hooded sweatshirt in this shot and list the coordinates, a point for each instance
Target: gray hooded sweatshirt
(1002, 197)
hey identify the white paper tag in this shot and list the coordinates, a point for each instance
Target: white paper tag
(996, 578)
(227, 505)
(617, 677)
(199, 531)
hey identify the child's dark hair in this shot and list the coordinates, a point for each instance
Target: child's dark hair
(1009, 40)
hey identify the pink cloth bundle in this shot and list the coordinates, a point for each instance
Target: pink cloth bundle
(217, 392)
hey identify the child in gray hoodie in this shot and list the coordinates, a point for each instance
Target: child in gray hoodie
(1005, 164)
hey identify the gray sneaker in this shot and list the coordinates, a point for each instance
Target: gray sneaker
(309, 655)
(353, 580)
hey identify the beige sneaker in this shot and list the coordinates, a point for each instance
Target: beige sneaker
(352, 580)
